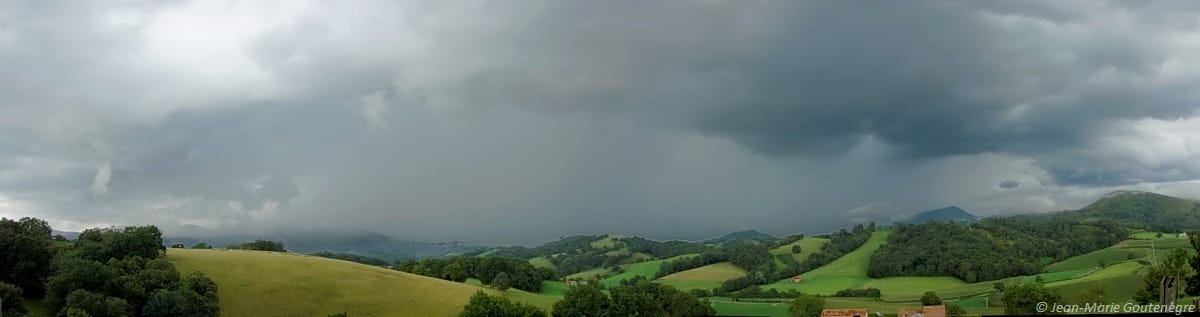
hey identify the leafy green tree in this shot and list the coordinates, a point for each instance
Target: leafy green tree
(76, 312)
(73, 273)
(97, 305)
(806, 306)
(1022, 298)
(954, 310)
(644, 298)
(583, 301)
(1193, 283)
(796, 249)
(260, 245)
(103, 244)
(201, 245)
(25, 254)
(483, 305)
(1176, 264)
(455, 272)
(10, 296)
(177, 246)
(179, 302)
(501, 282)
(930, 299)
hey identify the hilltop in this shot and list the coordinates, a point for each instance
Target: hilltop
(948, 214)
(741, 236)
(1144, 210)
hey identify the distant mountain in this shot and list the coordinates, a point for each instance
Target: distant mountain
(360, 243)
(70, 235)
(740, 236)
(948, 214)
(1150, 211)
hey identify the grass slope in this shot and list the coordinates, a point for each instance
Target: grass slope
(1119, 281)
(808, 246)
(705, 277)
(542, 261)
(645, 269)
(849, 271)
(255, 283)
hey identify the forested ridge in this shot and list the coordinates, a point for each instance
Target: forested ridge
(991, 249)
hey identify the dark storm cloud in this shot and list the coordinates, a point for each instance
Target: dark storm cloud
(799, 78)
(477, 119)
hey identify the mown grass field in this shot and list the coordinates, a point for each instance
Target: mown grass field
(808, 246)
(645, 269)
(849, 271)
(1111, 255)
(256, 283)
(554, 288)
(706, 277)
(542, 262)
(1120, 282)
(913, 285)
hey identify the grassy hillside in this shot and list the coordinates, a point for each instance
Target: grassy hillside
(1145, 210)
(849, 271)
(645, 269)
(542, 261)
(705, 277)
(300, 285)
(808, 246)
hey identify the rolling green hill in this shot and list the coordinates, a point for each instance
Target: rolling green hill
(849, 271)
(1155, 212)
(704, 277)
(808, 246)
(256, 283)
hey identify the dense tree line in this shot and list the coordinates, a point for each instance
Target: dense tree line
(352, 258)
(484, 305)
(637, 297)
(25, 254)
(662, 249)
(572, 244)
(260, 245)
(750, 256)
(758, 292)
(519, 273)
(120, 272)
(859, 292)
(990, 249)
(840, 243)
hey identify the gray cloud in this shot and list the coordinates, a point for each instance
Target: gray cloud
(525, 121)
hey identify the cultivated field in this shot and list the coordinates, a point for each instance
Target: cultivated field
(706, 277)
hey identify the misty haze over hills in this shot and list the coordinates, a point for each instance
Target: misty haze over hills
(521, 122)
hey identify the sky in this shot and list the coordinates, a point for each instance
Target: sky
(524, 121)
